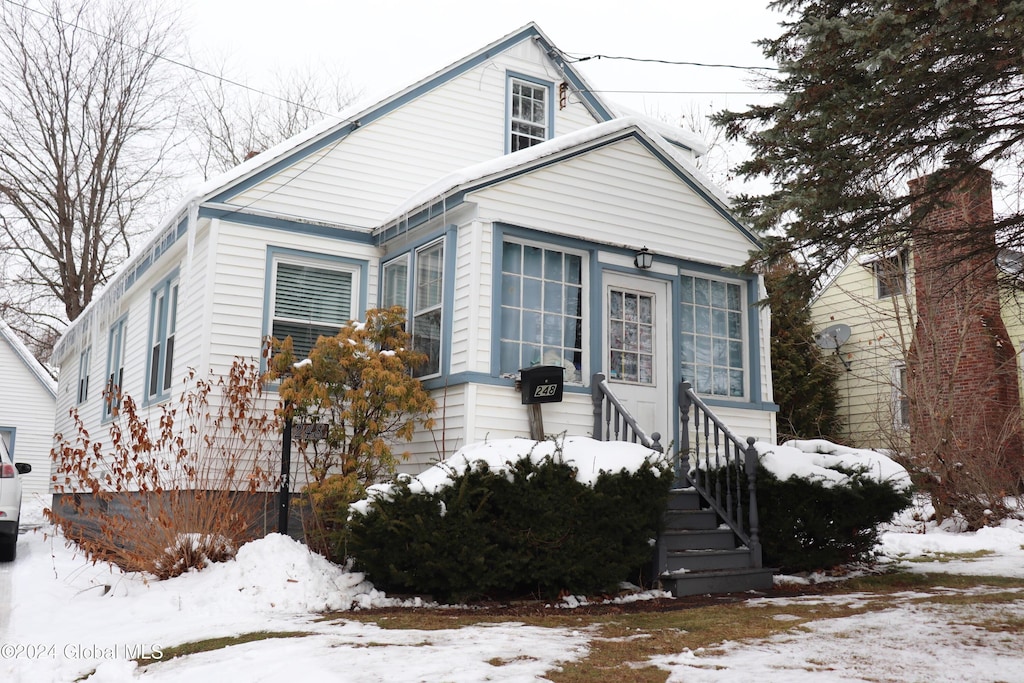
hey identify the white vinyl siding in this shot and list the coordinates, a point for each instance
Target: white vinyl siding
(309, 301)
(711, 341)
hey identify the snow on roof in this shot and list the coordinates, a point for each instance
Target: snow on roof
(34, 366)
(471, 175)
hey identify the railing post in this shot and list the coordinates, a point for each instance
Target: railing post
(684, 431)
(751, 461)
(597, 397)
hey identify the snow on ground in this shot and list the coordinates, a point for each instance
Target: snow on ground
(62, 618)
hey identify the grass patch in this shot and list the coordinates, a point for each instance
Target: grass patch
(949, 557)
(623, 641)
(211, 644)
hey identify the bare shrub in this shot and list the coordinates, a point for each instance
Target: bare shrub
(177, 494)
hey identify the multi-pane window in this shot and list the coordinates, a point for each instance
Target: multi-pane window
(395, 283)
(541, 309)
(528, 118)
(163, 325)
(891, 275)
(631, 336)
(711, 343)
(116, 343)
(84, 363)
(426, 314)
(309, 301)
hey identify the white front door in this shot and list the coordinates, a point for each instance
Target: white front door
(637, 351)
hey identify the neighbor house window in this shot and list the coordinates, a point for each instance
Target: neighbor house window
(84, 362)
(529, 113)
(890, 275)
(900, 398)
(163, 322)
(311, 298)
(712, 340)
(541, 309)
(116, 344)
(428, 290)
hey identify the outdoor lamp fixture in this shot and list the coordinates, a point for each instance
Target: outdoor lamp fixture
(644, 259)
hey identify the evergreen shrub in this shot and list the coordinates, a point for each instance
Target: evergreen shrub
(806, 525)
(532, 530)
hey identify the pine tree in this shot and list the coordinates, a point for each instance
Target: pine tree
(875, 93)
(804, 382)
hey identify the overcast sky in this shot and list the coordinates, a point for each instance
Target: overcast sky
(386, 45)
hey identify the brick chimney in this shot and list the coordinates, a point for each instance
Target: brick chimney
(962, 368)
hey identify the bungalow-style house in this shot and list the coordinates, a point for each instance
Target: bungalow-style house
(875, 307)
(508, 208)
(27, 405)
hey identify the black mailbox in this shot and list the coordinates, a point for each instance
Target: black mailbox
(542, 384)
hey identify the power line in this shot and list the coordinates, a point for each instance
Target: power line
(574, 58)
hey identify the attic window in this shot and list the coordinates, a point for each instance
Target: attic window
(529, 113)
(890, 275)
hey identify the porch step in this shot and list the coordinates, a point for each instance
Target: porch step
(698, 539)
(705, 559)
(683, 499)
(677, 520)
(718, 581)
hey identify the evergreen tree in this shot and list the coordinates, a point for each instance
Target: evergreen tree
(875, 93)
(804, 381)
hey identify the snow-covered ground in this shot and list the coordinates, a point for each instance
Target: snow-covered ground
(62, 618)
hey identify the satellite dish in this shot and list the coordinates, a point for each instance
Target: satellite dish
(834, 337)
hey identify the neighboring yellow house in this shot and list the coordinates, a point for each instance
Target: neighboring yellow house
(874, 296)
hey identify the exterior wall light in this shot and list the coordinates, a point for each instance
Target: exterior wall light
(644, 259)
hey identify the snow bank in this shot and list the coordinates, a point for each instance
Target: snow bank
(817, 459)
(588, 456)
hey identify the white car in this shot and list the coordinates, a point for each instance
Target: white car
(10, 502)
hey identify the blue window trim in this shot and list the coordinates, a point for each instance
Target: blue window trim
(115, 361)
(158, 330)
(447, 236)
(550, 104)
(360, 266)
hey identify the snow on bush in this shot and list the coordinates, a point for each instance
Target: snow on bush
(828, 463)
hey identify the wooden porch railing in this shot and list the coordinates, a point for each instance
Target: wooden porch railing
(612, 422)
(712, 460)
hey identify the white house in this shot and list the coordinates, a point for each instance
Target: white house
(502, 203)
(27, 404)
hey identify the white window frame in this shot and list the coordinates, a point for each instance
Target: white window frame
(424, 311)
(84, 366)
(889, 270)
(390, 296)
(163, 322)
(625, 348)
(573, 374)
(512, 121)
(691, 366)
(900, 398)
(322, 264)
(117, 343)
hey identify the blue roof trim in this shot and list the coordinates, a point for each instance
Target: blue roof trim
(171, 234)
(285, 225)
(378, 111)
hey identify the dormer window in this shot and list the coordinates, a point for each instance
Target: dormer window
(529, 113)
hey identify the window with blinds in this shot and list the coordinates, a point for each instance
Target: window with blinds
(309, 302)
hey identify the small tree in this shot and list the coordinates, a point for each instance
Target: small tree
(359, 383)
(804, 382)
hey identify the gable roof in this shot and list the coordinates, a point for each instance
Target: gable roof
(34, 366)
(451, 190)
